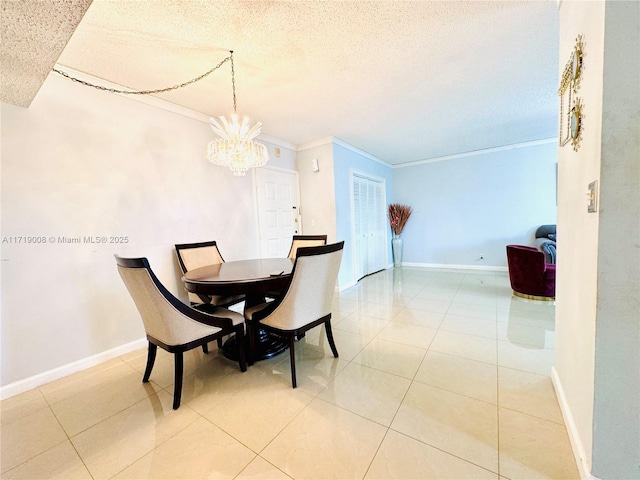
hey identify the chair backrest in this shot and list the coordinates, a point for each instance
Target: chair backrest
(299, 241)
(165, 318)
(196, 255)
(526, 266)
(309, 296)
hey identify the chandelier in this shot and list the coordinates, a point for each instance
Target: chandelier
(235, 148)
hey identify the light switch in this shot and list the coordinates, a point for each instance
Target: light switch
(592, 197)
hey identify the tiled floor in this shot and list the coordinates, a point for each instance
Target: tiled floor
(441, 375)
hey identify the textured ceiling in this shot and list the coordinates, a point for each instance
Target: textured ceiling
(401, 80)
(33, 36)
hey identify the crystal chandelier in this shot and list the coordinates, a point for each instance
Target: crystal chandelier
(235, 148)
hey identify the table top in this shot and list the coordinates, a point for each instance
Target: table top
(242, 276)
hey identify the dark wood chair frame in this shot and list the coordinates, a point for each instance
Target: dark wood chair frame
(205, 306)
(225, 324)
(305, 237)
(292, 335)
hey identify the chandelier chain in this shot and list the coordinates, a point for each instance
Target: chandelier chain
(159, 90)
(233, 82)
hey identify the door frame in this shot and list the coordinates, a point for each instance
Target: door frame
(256, 201)
(354, 251)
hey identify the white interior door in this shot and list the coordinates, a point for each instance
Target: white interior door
(369, 214)
(278, 207)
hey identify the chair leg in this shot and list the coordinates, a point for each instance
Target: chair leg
(240, 340)
(251, 335)
(220, 342)
(151, 358)
(205, 348)
(329, 332)
(292, 356)
(177, 384)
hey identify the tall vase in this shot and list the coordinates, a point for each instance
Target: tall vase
(396, 248)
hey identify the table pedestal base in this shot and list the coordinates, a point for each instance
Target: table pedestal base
(268, 345)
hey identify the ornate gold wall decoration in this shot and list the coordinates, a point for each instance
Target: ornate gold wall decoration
(570, 122)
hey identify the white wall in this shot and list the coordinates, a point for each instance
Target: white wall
(597, 368)
(317, 198)
(78, 163)
(616, 416)
(576, 283)
(475, 204)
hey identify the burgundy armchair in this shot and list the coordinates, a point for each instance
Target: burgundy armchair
(531, 277)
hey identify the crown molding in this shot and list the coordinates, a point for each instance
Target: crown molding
(474, 153)
(343, 144)
(157, 102)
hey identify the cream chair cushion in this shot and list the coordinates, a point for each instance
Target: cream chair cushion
(161, 320)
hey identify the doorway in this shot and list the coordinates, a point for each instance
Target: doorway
(277, 193)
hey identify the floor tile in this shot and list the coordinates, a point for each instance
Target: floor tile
(402, 457)
(348, 344)
(524, 333)
(419, 317)
(485, 312)
(391, 357)
(199, 451)
(523, 437)
(376, 310)
(90, 378)
(367, 392)
(163, 372)
(325, 442)
(257, 413)
(92, 405)
(528, 393)
(365, 326)
(459, 425)
(460, 375)
(314, 370)
(469, 325)
(22, 405)
(467, 346)
(60, 462)
(260, 469)
(440, 294)
(428, 305)
(526, 358)
(117, 442)
(407, 334)
(29, 436)
(450, 359)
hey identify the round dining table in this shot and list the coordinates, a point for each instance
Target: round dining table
(255, 279)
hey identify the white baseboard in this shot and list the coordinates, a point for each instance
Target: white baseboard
(49, 376)
(489, 268)
(584, 468)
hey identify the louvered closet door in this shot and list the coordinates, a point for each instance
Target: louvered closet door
(369, 222)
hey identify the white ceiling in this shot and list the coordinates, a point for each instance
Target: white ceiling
(402, 80)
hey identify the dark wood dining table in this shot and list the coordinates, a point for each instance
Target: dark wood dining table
(253, 278)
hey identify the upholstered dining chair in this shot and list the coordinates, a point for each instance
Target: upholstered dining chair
(172, 325)
(305, 304)
(196, 255)
(530, 276)
(305, 241)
